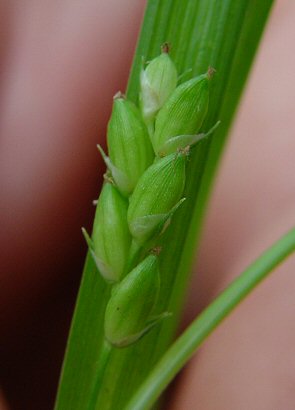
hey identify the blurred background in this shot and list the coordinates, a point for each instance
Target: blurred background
(60, 64)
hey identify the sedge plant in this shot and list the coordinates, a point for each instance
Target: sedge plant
(164, 139)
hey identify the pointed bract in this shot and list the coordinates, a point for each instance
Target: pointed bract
(182, 141)
(121, 180)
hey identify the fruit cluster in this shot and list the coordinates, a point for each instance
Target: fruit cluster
(144, 183)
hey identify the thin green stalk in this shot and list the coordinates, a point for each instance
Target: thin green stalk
(223, 34)
(103, 360)
(185, 346)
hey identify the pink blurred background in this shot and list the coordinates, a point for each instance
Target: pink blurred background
(61, 63)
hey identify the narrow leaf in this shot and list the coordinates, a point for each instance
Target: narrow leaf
(184, 347)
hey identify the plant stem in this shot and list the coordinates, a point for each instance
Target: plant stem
(184, 347)
(103, 360)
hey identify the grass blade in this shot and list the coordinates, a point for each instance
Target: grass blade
(184, 347)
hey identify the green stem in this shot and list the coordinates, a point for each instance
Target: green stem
(184, 347)
(105, 353)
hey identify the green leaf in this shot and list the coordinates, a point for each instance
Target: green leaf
(192, 338)
(202, 33)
